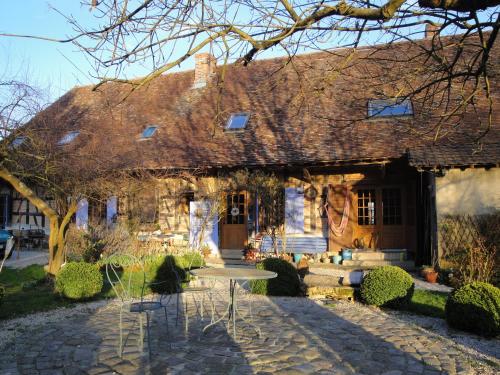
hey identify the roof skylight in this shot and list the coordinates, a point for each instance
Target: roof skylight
(389, 107)
(237, 121)
(18, 141)
(149, 131)
(68, 137)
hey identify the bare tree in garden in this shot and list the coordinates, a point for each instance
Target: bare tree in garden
(159, 35)
(30, 156)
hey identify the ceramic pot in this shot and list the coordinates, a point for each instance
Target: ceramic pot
(431, 276)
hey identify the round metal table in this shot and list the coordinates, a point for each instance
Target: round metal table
(233, 275)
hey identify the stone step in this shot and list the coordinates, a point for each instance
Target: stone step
(379, 255)
(231, 254)
(221, 263)
(407, 264)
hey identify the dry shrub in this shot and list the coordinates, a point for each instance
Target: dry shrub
(469, 244)
(98, 240)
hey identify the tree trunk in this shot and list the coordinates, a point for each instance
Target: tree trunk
(58, 227)
(57, 240)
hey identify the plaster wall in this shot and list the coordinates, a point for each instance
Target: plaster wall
(472, 191)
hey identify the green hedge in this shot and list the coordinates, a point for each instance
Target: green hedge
(387, 286)
(287, 282)
(475, 307)
(79, 280)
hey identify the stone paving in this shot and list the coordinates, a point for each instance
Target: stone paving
(298, 336)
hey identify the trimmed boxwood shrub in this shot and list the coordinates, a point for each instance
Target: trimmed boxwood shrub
(287, 282)
(475, 307)
(79, 280)
(387, 286)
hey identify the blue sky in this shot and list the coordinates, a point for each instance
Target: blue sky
(55, 65)
(44, 62)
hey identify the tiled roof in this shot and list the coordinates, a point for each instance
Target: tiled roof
(311, 111)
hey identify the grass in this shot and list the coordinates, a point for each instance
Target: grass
(30, 290)
(429, 303)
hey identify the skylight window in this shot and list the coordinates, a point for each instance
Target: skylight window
(237, 121)
(149, 131)
(68, 138)
(18, 141)
(389, 107)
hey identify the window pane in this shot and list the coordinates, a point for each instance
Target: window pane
(68, 138)
(366, 207)
(237, 121)
(391, 202)
(149, 131)
(389, 107)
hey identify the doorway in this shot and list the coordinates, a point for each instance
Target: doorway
(234, 234)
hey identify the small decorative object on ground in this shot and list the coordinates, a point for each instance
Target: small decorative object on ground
(303, 267)
(336, 259)
(285, 257)
(429, 274)
(387, 286)
(475, 307)
(250, 253)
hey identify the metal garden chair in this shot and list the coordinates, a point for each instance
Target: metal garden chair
(197, 293)
(132, 299)
(8, 249)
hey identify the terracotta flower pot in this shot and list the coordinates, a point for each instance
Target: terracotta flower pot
(431, 276)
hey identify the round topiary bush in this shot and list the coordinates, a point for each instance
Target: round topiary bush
(475, 307)
(79, 280)
(287, 283)
(387, 286)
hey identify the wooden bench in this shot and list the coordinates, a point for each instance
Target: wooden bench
(296, 245)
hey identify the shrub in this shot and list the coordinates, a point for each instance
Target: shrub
(2, 293)
(387, 286)
(79, 280)
(475, 307)
(287, 282)
(167, 275)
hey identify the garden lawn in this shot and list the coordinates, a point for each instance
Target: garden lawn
(428, 302)
(28, 290)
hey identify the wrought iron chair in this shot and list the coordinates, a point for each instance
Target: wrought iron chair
(123, 287)
(198, 293)
(9, 245)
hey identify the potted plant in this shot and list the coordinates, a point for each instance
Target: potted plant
(430, 274)
(249, 252)
(206, 251)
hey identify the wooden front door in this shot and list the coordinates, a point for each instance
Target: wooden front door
(234, 233)
(381, 217)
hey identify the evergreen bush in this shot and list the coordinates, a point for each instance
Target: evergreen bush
(475, 307)
(287, 283)
(387, 286)
(79, 280)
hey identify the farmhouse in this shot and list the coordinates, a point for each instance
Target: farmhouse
(364, 164)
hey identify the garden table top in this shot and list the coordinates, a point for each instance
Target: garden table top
(234, 273)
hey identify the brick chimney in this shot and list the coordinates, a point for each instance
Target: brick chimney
(431, 30)
(204, 69)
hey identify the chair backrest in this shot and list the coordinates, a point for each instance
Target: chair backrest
(123, 282)
(8, 248)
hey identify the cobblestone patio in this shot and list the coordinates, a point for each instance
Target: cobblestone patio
(298, 336)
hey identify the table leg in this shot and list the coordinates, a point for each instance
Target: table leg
(232, 312)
